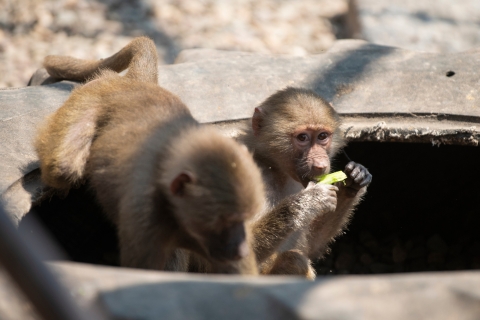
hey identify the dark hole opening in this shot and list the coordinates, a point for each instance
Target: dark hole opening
(421, 213)
(450, 73)
(78, 225)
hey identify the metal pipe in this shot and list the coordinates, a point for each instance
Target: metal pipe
(47, 295)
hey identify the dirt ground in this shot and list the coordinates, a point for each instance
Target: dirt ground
(93, 29)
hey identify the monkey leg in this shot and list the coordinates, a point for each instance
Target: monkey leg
(292, 262)
(63, 144)
(246, 266)
(278, 224)
(139, 56)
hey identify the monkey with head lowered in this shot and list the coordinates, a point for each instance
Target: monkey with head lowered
(294, 135)
(177, 191)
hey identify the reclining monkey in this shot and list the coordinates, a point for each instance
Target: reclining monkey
(167, 183)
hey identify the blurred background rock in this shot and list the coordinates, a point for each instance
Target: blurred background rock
(32, 29)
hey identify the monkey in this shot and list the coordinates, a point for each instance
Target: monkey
(294, 134)
(177, 192)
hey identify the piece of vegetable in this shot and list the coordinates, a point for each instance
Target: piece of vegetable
(332, 177)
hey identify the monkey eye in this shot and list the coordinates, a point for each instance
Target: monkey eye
(323, 136)
(302, 137)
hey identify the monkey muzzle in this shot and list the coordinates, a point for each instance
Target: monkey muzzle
(230, 245)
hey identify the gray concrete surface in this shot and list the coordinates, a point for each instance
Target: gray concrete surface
(383, 93)
(147, 295)
(442, 26)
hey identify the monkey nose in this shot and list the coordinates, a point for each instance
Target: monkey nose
(319, 169)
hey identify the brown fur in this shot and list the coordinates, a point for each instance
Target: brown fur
(285, 111)
(290, 262)
(169, 184)
(303, 218)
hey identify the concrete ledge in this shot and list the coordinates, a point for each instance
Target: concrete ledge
(428, 25)
(360, 79)
(384, 94)
(148, 295)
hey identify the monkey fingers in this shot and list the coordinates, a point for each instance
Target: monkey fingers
(310, 185)
(313, 184)
(326, 196)
(359, 175)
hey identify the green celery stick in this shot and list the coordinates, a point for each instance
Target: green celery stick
(332, 177)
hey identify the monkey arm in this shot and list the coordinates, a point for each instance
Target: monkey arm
(292, 214)
(326, 227)
(272, 229)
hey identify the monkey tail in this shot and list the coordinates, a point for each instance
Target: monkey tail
(69, 68)
(139, 56)
(144, 60)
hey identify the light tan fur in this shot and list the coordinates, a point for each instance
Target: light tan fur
(178, 192)
(303, 217)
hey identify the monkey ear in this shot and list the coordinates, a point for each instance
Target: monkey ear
(177, 187)
(257, 121)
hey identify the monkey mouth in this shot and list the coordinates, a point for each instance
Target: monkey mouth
(232, 255)
(226, 258)
(304, 174)
(305, 178)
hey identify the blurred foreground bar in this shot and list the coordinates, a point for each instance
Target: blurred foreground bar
(148, 295)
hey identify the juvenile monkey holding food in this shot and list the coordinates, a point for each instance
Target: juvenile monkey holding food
(294, 134)
(173, 188)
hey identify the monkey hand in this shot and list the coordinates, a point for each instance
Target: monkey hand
(319, 199)
(358, 177)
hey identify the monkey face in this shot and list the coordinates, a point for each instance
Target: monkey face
(229, 244)
(219, 227)
(214, 186)
(311, 148)
(225, 243)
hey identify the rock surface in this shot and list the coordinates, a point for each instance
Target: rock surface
(443, 26)
(356, 76)
(148, 295)
(32, 29)
(383, 93)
